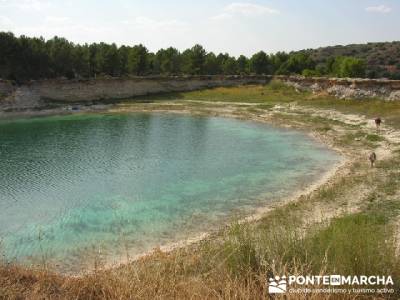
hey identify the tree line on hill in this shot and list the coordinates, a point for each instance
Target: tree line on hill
(382, 59)
(24, 58)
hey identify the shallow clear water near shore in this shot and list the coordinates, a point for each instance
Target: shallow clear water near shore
(113, 184)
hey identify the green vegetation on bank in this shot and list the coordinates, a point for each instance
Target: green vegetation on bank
(272, 93)
(382, 59)
(276, 92)
(24, 58)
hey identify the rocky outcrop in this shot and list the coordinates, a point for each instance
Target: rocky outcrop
(394, 95)
(347, 88)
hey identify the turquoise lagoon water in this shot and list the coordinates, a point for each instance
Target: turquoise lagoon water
(105, 185)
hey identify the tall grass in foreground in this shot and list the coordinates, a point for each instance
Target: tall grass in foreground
(358, 244)
(235, 266)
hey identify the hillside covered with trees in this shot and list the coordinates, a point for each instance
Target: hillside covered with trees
(24, 58)
(381, 59)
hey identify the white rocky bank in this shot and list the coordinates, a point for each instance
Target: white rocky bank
(348, 88)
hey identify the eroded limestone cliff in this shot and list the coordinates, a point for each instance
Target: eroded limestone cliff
(347, 88)
(37, 95)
